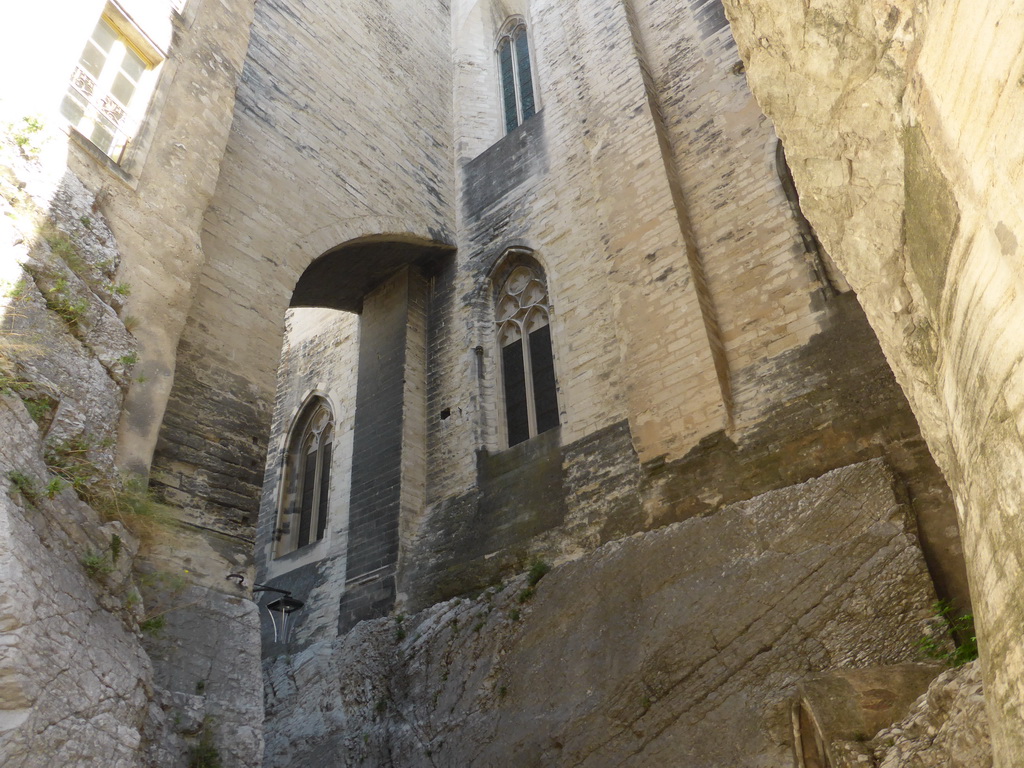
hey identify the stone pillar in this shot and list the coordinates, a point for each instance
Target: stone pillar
(389, 442)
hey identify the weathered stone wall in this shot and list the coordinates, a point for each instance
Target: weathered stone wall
(154, 202)
(156, 198)
(651, 99)
(948, 726)
(320, 357)
(896, 118)
(642, 653)
(341, 130)
(699, 355)
(75, 679)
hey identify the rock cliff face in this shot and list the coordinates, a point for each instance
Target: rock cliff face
(896, 116)
(77, 683)
(947, 727)
(75, 680)
(642, 653)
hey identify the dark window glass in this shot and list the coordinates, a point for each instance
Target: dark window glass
(306, 509)
(508, 86)
(325, 485)
(517, 417)
(525, 78)
(541, 361)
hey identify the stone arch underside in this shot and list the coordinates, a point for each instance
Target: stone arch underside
(210, 455)
(344, 276)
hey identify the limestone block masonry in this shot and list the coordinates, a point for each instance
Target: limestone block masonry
(897, 118)
(735, 492)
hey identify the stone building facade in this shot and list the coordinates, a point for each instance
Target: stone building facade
(704, 350)
(427, 292)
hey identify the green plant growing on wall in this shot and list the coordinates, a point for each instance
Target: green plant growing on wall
(538, 570)
(24, 134)
(127, 499)
(17, 290)
(68, 308)
(132, 599)
(40, 408)
(97, 564)
(55, 486)
(204, 754)
(10, 384)
(63, 247)
(153, 624)
(24, 485)
(115, 548)
(70, 461)
(961, 628)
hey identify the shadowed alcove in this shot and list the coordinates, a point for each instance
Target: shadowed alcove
(355, 341)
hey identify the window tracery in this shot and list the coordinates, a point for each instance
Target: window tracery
(307, 478)
(523, 313)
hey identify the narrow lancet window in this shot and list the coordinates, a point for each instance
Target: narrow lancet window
(307, 480)
(527, 363)
(516, 76)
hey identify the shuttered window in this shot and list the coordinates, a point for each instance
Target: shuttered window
(111, 86)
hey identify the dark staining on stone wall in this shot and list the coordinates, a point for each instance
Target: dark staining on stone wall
(710, 16)
(301, 582)
(602, 473)
(368, 600)
(377, 455)
(203, 462)
(851, 410)
(835, 403)
(502, 167)
(932, 217)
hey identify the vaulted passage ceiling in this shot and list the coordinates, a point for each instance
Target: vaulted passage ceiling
(341, 279)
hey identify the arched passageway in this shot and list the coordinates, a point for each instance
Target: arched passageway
(356, 342)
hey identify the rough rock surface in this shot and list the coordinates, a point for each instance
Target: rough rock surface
(76, 681)
(74, 676)
(642, 653)
(947, 728)
(77, 686)
(898, 119)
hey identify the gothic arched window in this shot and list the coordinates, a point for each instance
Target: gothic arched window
(527, 365)
(516, 75)
(307, 479)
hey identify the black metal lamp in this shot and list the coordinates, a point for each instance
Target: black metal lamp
(279, 610)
